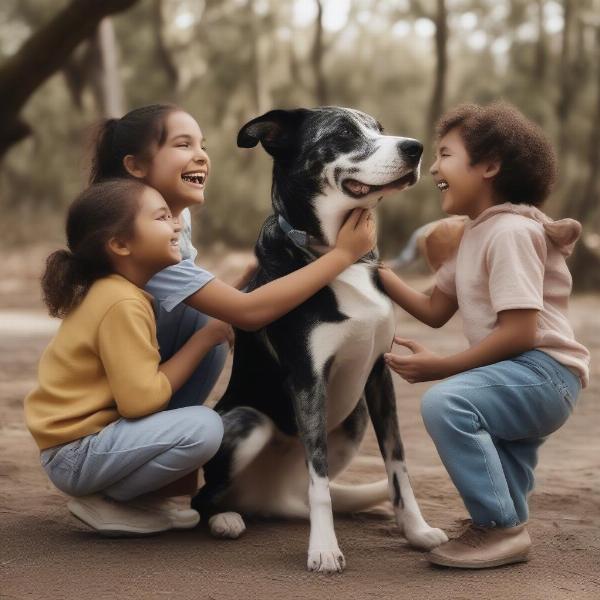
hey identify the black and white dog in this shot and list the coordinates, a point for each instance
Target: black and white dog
(302, 388)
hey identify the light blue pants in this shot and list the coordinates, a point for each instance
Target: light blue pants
(131, 457)
(487, 425)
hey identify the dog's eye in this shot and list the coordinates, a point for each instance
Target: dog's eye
(345, 132)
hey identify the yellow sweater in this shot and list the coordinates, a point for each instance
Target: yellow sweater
(101, 365)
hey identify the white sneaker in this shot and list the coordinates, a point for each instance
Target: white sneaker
(116, 519)
(179, 517)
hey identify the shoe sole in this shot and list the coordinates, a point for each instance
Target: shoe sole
(110, 529)
(448, 562)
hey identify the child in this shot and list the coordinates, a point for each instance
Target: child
(98, 413)
(520, 378)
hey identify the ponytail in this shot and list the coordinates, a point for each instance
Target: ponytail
(103, 211)
(64, 283)
(132, 134)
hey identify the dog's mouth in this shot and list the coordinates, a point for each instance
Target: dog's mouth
(358, 189)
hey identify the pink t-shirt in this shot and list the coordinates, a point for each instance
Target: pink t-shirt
(512, 256)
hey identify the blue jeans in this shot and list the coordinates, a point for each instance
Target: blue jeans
(173, 329)
(131, 457)
(487, 425)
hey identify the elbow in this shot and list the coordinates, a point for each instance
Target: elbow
(251, 321)
(248, 326)
(437, 322)
(142, 406)
(131, 412)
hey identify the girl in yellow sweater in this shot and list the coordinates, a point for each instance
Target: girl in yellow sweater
(98, 412)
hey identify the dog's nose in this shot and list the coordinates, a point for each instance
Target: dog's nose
(411, 149)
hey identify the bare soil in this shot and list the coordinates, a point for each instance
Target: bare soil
(46, 553)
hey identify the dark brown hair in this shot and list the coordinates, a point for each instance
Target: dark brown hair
(499, 131)
(131, 134)
(101, 212)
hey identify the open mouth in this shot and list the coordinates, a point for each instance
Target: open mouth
(196, 177)
(442, 185)
(358, 189)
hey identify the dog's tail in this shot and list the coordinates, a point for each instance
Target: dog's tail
(348, 498)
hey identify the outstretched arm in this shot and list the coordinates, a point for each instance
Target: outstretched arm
(253, 310)
(434, 310)
(513, 334)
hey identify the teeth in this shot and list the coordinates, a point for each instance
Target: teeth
(194, 177)
(443, 186)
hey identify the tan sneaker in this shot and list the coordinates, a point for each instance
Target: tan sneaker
(117, 519)
(180, 517)
(482, 547)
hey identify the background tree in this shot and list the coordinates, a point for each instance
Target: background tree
(228, 60)
(41, 56)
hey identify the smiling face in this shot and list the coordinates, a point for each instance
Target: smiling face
(180, 167)
(329, 161)
(357, 159)
(155, 241)
(466, 188)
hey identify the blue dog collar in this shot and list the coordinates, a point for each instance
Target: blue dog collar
(300, 238)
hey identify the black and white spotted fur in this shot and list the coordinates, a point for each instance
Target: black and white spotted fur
(302, 389)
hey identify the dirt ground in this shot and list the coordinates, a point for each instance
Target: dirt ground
(46, 553)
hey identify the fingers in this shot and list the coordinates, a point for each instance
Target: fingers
(410, 344)
(354, 218)
(400, 365)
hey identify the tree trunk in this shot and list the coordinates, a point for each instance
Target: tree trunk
(566, 95)
(541, 51)
(42, 55)
(585, 265)
(105, 77)
(259, 81)
(318, 50)
(436, 104)
(164, 56)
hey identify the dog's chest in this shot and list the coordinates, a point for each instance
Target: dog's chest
(354, 344)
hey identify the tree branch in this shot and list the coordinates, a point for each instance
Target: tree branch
(42, 55)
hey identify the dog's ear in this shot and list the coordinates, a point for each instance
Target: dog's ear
(275, 130)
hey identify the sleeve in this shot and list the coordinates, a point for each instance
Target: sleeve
(130, 358)
(445, 277)
(516, 259)
(173, 285)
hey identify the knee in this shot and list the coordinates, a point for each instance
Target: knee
(204, 432)
(440, 407)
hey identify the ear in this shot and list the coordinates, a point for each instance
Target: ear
(133, 167)
(275, 130)
(492, 169)
(118, 247)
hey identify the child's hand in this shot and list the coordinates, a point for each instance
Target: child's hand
(358, 234)
(218, 332)
(422, 365)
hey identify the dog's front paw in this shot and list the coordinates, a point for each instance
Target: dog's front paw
(228, 525)
(326, 561)
(425, 537)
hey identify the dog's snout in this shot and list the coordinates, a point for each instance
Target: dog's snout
(411, 149)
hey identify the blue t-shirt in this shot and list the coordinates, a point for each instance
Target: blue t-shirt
(171, 286)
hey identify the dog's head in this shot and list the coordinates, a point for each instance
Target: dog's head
(328, 161)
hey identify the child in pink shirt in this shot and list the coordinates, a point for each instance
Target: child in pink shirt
(520, 377)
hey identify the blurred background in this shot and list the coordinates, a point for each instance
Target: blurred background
(66, 64)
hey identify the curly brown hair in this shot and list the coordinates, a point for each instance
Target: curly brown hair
(499, 131)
